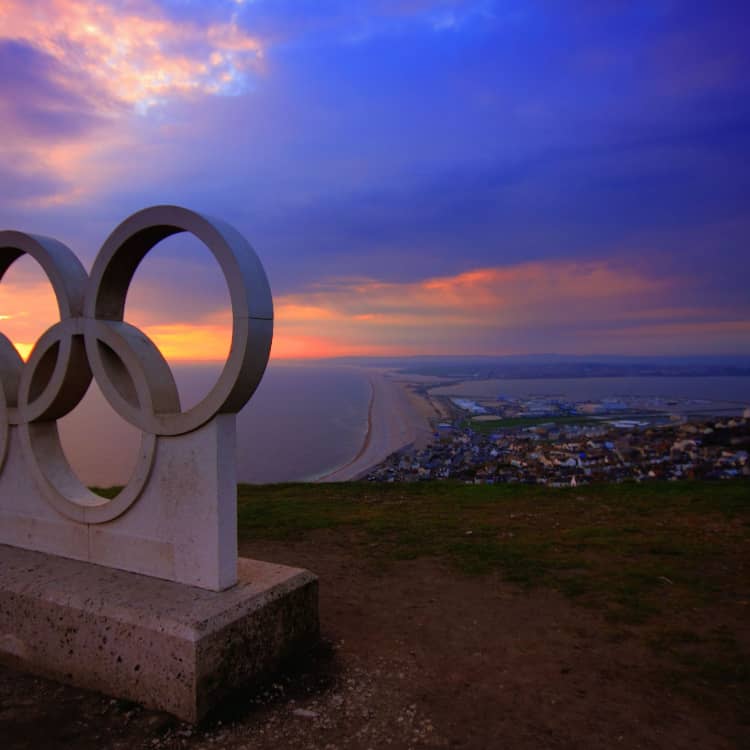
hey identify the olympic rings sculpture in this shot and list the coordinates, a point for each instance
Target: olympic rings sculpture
(92, 340)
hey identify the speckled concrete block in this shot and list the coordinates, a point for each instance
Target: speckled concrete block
(168, 646)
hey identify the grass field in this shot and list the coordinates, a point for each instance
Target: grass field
(651, 557)
(665, 562)
(617, 546)
(492, 425)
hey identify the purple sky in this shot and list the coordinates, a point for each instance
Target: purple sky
(418, 176)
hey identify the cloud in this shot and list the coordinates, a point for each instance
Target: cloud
(558, 306)
(47, 125)
(554, 306)
(486, 310)
(22, 181)
(133, 53)
(74, 75)
(526, 294)
(417, 156)
(291, 22)
(35, 97)
(142, 52)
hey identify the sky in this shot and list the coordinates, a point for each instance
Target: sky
(417, 176)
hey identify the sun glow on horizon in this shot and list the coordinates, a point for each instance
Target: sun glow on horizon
(23, 349)
(589, 308)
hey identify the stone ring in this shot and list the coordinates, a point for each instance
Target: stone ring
(92, 339)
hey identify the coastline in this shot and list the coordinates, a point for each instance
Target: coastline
(393, 422)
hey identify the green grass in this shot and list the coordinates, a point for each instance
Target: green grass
(635, 550)
(108, 492)
(632, 549)
(714, 659)
(655, 559)
(492, 425)
(652, 557)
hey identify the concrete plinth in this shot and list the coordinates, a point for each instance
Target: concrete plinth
(166, 645)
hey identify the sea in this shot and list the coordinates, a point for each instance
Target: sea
(305, 421)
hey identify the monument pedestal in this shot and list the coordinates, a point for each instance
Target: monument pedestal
(169, 646)
(214, 622)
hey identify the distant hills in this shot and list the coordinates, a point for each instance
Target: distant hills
(559, 366)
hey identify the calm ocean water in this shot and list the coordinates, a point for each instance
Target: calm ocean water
(303, 421)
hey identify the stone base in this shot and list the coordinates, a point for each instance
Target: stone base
(165, 645)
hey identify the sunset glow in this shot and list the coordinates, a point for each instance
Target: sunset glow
(446, 176)
(482, 310)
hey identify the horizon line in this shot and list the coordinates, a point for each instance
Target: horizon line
(551, 355)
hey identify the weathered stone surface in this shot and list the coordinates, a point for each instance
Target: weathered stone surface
(176, 516)
(183, 527)
(169, 646)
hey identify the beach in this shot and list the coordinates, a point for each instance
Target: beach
(306, 422)
(397, 417)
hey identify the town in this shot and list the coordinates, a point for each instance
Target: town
(580, 445)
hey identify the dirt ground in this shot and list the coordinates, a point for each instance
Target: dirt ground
(415, 655)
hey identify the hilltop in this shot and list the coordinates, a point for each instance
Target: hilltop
(470, 616)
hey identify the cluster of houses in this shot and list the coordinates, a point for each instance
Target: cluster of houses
(563, 455)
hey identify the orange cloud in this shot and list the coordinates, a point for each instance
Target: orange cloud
(559, 306)
(489, 297)
(193, 342)
(555, 306)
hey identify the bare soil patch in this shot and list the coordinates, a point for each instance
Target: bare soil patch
(417, 655)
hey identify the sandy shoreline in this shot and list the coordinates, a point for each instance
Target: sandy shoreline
(396, 418)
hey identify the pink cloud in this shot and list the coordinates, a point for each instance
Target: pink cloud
(552, 306)
(132, 53)
(521, 294)
(75, 75)
(561, 306)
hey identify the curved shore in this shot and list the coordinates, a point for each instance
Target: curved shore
(392, 423)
